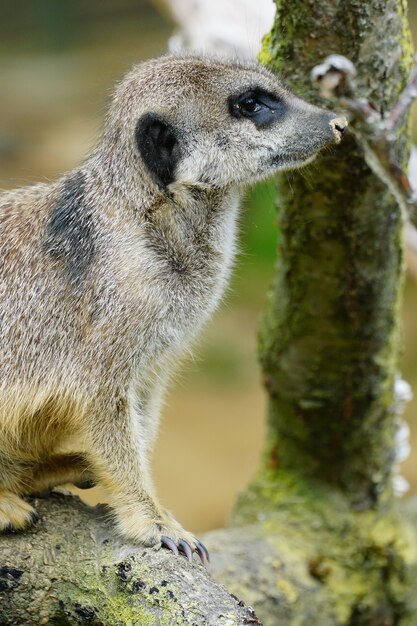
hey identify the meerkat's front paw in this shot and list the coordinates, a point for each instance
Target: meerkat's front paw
(196, 545)
(164, 532)
(178, 540)
(15, 513)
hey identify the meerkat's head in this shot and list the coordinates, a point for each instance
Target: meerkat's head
(204, 121)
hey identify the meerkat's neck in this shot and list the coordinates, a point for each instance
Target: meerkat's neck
(187, 230)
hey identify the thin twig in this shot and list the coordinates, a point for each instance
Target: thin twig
(375, 134)
(406, 99)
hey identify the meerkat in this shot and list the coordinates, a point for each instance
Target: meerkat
(108, 274)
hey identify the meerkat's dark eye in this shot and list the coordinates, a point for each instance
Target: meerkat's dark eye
(261, 107)
(248, 106)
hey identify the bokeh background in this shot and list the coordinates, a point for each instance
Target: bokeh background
(58, 62)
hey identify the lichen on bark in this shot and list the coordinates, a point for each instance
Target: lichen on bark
(72, 568)
(329, 344)
(330, 336)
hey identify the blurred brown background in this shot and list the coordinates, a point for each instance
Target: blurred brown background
(58, 61)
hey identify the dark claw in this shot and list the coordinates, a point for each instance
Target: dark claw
(202, 552)
(10, 529)
(170, 544)
(34, 517)
(207, 552)
(186, 549)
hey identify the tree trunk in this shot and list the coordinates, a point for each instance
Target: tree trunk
(317, 539)
(329, 344)
(330, 337)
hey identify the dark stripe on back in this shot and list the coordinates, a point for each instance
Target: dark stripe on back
(70, 230)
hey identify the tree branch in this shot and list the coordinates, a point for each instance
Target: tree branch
(374, 132)
(70, 569)
(293, 563)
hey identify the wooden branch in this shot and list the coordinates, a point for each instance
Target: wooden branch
(376, 134)
(396, 116)
(71, 569)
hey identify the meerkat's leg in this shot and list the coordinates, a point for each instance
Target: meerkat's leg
(121, 465)
(60, 469)
(150, 421)
(15, 513)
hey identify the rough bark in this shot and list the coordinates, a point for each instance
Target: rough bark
(330, 337)
(329, 344)
(305, 562)
(317, 538)
(70, 569)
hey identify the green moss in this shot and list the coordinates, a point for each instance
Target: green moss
(330, 337)
(329, 560)
(340, 553)
(114, 598)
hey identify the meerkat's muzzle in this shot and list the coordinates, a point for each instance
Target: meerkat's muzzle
(339, 125)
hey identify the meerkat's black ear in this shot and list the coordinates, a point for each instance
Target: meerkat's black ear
(158, 147)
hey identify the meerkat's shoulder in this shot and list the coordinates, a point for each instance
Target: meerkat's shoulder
(26, 211)
(28, 194)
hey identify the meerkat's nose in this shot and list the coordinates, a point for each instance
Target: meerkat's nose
(339, 125)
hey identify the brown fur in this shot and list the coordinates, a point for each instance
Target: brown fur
(108, 274)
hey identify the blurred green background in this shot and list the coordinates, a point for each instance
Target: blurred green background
(58, 62)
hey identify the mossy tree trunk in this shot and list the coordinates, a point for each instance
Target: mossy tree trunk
(330, 336)
(317, 539)
(329, 345)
